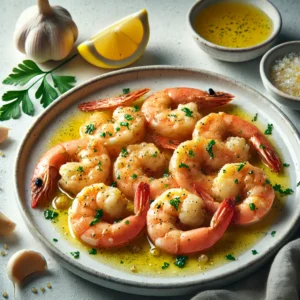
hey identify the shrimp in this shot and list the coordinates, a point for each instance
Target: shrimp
(97, 206)
(126, 126)
(251, 187)
(114, 102)
(221, 126)
(79, 163)
(168, 228)
(142, 163)
(197, 161)
(173, 112)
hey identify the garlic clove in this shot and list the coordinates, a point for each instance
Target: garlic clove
(24, 263)
(6, 225)
(3, 133)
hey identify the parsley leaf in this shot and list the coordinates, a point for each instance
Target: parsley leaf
(166, 265)
(209, 148)
(128, 117)
(89, 129)
(241, 166)
(273, 233)
(252, 206)
(98, 216)
(46, 92)
(93, 251)
(269, 129)
(175, 202)
(63, 83)
(254, 118)
(126, 91)
(283, 192)
(182, 165)
(124, 152)
(50, 214)
(188, 112)
(75, 254)
(230, 257)
(254, 252)
(285, 165)
(180, 261)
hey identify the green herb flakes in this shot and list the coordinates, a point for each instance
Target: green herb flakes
(165, 266)
(191, 153)
(269, 129)
(126, 91)
(254, 252)
(128, 117)
(114, 184)
(75, 254)
(175, 202)
(251, 172)
(134, 176)
(182, 165)
(282, 191)
(285, 165)
(55, 240)
(80, 169)
(236, 181)
(252, 206)
(124, 152)
(125, 124)
(50, 214)
(102, 134)
(180, 261)
(89, 129)
(127, 222)
(273, 233)
(255, 118)
(230, 257)
(188, 112)
(98, 216)
(93, 251)
(135, 108)
(209, 148)
(241, 166)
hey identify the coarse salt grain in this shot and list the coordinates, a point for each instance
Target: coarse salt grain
(285, 74)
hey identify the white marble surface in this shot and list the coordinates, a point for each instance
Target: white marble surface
(170, 43)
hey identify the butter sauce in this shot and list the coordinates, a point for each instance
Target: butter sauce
(233, 25)
(136, 257)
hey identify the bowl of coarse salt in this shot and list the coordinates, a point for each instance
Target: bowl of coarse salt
(280, 73)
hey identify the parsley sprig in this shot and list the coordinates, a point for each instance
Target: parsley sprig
(46, 92)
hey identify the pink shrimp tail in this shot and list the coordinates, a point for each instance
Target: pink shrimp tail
(266, 153)
(142, 199)
(114, 102)
(210, 205)
(223, 216)
(163, 142)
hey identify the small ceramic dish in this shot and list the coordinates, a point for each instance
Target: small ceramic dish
(265, 65)
(236, 54)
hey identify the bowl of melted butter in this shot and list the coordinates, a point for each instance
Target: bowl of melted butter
(234, 31)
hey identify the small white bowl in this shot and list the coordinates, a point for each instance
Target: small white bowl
(265, 65)
(236, 54)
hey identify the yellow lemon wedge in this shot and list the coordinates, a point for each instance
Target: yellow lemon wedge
(118, 45)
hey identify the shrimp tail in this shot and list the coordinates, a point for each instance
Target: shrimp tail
(224, 214)
(142, 199)
(210, 205)
(216, 100)
(163, 142)
(266, 153)
(114, 102)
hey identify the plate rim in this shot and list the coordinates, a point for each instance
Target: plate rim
(230, 276)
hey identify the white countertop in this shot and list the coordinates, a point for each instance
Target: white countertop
(170, 44)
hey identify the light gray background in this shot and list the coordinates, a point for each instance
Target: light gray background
(170, 43)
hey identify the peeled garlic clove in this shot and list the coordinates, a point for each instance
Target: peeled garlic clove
(3, 134)
(6, 225)
(24, 263)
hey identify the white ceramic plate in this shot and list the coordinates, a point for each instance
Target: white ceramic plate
(157, 78)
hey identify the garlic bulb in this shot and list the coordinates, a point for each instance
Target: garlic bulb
(45, 32)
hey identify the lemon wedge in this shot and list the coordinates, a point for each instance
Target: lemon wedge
(118, 45)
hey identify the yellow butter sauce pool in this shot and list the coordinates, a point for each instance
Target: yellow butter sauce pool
(233, 25)
(235, 241)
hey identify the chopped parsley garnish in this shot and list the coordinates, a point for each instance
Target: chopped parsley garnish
(125, 124)
(55, 240)
(80, 169)
(241, 166)
(119, 177)
(50, 214)
(254, 118)
(127, 222)
(188, 112)
(175, 202)
(109, 134)
(180, 261)
(126, 91)
(209, 148)
(230, 257)
(269, 129)
(124, 152)
(99, 166)
(155, 154)
(267, 181)
(102, 134)
(252, 206)
(254, 252)
(166, 265)
(273, 233)
(237, 198)
(261, 146)
(75, 254)
(281, 191)
(98, 216)
(224, 171)
(236, 181)
(251, 172)
(191, 153)
(182, 165)
(93, 251)
(134, 176)
(135, 108)
(128, 117)
(121, 262)
(285, 165)
(89, 129)
(117, 128)
(114, 184)
(166, 173)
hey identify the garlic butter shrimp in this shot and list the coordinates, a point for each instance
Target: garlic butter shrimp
(173, 112)
(250, 186)
(169, 222)
(197, 161)
(126, 126)
(142, 163)
(95, 209)
(72, 165)
(220, 126)
(113, 102)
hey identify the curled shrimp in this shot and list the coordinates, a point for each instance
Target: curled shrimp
(113, 102)
(220, 126)
(143, 163)
(168, 228)
(198, 161)
(173, 112)
(72, 165)
(97, 206)
(250, 186)
(125, 126)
